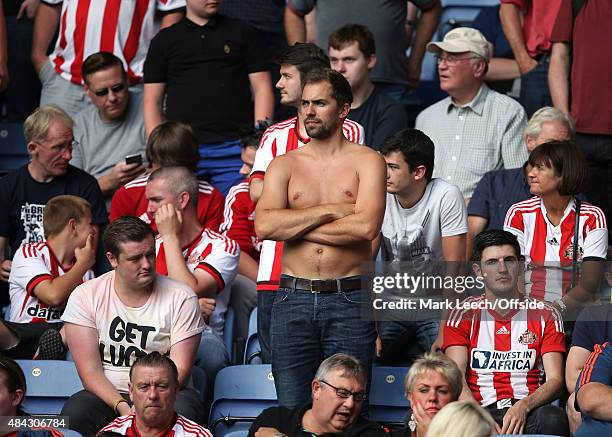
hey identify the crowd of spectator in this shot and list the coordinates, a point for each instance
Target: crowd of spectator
(188, 157)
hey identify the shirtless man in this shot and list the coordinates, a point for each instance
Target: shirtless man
(326, 200)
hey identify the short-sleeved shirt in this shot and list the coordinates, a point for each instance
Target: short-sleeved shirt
(34, 263)
(496, 192)
(23, 199)
(277, 140)
(593, 326)
(205, 70)
(483, 135)
(504, 352)
(380, 116)
(591, 87)
(182, 427)
(131, 199)
(239, 220)
(218, 256)
(123, 28)
(170, 315)
(103, 144)
(386, 19)
(439, 213)
(548, 249)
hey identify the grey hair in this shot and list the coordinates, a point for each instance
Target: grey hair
(178, 180)
(461, 419)
(547, 113)
(435, 362)
(36, 127)
(350, 366)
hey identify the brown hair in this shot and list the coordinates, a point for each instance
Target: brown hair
(351, 33)
(566, 160)
(123, 230)
(173, 144)
(98, 62)
(60, 209)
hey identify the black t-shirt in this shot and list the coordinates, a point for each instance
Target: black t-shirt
(289, 421)
(23, 199)
(381, 117)
(593, 326)
(205, 69)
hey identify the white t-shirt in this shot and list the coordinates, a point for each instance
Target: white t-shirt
(415, 234)
(171, 314)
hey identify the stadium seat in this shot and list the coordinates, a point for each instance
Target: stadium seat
(13, 149)
(49, 385)
(459, 13)
(235, 434)
(252, 350)
(228, 332)
(69, 432)
(241, 393)
(387, 402)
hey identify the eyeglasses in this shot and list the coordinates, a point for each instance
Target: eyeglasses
(115, 89)
(345, 394)
(58, 148)
(452, 60)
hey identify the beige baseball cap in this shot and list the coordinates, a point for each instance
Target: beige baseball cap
(462, 39)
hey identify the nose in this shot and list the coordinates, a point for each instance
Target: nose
(245, 170)
(433, 396)
(67, 153)
(279, 85)
(152, 393)
(349, 402)
(502, 265)
(309, 110)
(340, 67)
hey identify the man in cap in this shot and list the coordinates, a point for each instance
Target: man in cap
(475, 129)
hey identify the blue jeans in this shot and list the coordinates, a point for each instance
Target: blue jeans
(211, 357)
(265, 300)
(308, 327)
(403, 341)
(220, 164)
(534, 88)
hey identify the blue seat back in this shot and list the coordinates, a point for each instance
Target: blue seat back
(13, 149)
(252, 349)
(388, 403)
(228, 332)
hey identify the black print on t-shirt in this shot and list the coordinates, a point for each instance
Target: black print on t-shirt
(32, 221)
(122, 355)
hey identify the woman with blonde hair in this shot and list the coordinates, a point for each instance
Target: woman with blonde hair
(462, 419)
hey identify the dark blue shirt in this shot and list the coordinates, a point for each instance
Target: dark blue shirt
(593, 326)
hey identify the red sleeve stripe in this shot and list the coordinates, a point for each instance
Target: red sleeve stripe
(257, 175)
(37, 280)
(214, 273)
(587, 370)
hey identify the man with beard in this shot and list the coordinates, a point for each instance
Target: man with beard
(326, 201)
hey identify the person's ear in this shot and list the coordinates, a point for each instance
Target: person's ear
(372, 61)
(17, 398)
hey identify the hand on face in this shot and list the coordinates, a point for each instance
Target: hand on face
(168, 220)
(86, 255)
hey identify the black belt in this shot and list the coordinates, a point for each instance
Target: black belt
(320, 285)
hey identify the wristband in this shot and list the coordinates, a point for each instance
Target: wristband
(117, 402)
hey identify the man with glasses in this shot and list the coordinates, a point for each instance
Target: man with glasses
(112, 128)
(475, 129)
(25, 191)
(338, 391)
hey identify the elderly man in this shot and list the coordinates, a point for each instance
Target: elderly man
(475, 129)
(338, 390)
(111, 128)
(498, 190)
(25, 192)
(154, 387)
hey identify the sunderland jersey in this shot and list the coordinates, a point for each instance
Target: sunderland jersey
(34, 263)
(124, 28)
(239, 220)
(182, 427)
(215, 254)
(504, 352)
(548, 249)
(277, 140)
(130, 199)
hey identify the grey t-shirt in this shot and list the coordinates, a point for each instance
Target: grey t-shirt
(415, 234)
(102, 145)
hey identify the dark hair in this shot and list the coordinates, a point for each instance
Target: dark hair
(351, 33)
(566, 160)
(173, 144)
(98, 62)
(494, 237)
(125, 229)
(155, 359)
(15, 379)
(341, 90)
(252, 137)
(304, 56)
(109, 434)
(416, 148)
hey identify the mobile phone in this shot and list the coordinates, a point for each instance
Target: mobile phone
(134, 159)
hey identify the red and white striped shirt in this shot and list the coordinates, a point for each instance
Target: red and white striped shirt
(548, 249)
(218, 256)
(130, 199)
(239, 220)
(277, 140)
(34, 263)
(124, 28)
(504, 352)
(182, 427)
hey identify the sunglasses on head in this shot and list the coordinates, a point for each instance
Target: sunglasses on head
(115, 88)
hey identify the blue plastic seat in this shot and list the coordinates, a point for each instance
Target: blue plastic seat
(49, 385)
(13, 149)
(69, 432)
(228, 332)
(388, 403)
(252, 349)
(241, 394)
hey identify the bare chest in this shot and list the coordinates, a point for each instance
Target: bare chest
(315, 184)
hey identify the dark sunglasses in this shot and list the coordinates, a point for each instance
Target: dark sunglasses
(115, 89)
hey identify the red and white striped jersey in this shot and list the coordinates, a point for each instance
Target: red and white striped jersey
(130, 199)
(548, 249)
(277, 140)
(34, 263)
(124, 28)
(504, 352)
(182, 427)
(218, 256)
(239, 220)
